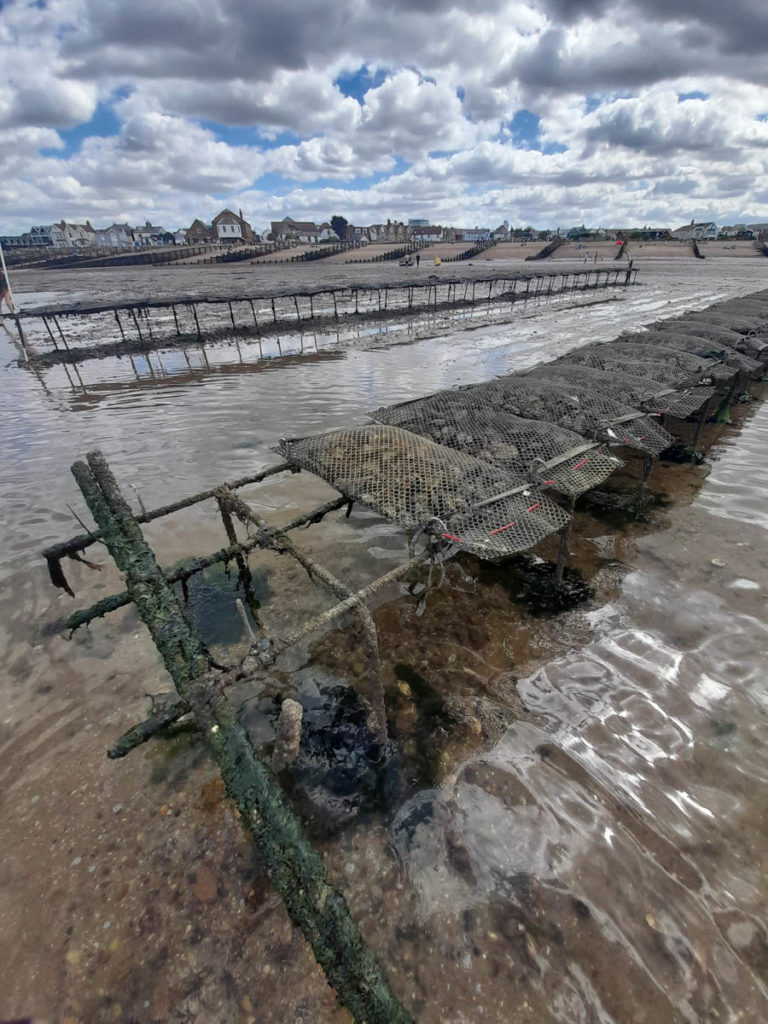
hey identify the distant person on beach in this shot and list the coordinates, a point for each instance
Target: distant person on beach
(5, 294)
(418, 260)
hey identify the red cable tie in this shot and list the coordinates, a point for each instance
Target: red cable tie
(449, 536)
(549, 481)
(578, 465)
(533, 507)
(499, 529)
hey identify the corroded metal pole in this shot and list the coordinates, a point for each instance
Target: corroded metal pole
(294, 868)
(564, 548)
(277, 539)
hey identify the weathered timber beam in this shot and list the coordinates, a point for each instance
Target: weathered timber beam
(194, 566)
(144, 731)
(294, 868)
(82, 541)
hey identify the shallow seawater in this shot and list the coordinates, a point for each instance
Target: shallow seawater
(577, 827)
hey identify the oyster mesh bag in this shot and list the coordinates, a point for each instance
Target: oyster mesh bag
(731, 359)
(751, 327)
(603, 357)
(749, 346)
(666, 360)
(421, 485)
(542, 453)
(636, 391)
(578, 408)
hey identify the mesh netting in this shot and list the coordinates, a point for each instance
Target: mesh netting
(698, 369)
(604, 357)
(749, 306)
(664, 372)
(577, 408)
(639, 392)
(730, 321)
(698, 346)
(422, 485)
(541, 452)
(718, 335)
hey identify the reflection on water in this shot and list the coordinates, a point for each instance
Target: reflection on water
(598, 856)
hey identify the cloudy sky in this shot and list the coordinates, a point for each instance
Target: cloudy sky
(549, 112)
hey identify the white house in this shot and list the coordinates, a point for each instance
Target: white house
(425, 233)
(71, 236)
(471, 234)
(230, 227)
(701, 231)
(326, 233)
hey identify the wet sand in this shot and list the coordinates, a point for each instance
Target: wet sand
(596, 852)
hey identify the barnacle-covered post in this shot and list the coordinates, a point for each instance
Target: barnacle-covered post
(294, 868)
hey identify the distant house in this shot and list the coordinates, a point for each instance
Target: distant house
(231, 227)
(392, 231)
(740, 232)
(303, 231)
(198, 232)
(501, 233)
(40, 236)
(424, 233)
(701, 231)
(469, 234)
(152, 234)
(327, 234)
(358, 234)
(180, 236)
(294, 231)
(71, 236)
(116, 236)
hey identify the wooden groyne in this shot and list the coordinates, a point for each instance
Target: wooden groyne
(68, 333)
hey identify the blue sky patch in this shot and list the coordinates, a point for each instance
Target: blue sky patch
(248, 135)
(102, 124)
(524, 128)
(357, 83)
